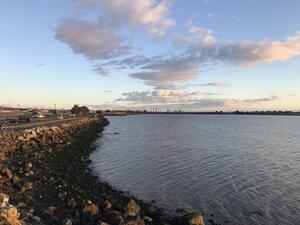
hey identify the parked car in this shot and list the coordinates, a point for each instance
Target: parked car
(12, 121)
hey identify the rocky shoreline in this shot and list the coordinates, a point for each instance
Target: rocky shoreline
(45, 179)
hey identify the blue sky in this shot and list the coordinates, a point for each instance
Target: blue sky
(191, 55)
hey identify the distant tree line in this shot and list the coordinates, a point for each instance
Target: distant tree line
(80, 110)
(278, 112)
(237, 112)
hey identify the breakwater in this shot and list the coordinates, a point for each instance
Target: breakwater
(45, 179)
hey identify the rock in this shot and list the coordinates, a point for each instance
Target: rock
(195, 219)
(2, 156)
(135, 222)
(21, 205)
(7, 172)
(148, 219)
(4, 198)
(107, 205)
(112, 217)
(91, 208)
(12, 221)
(13, 213)
(133, 209)
(12, 216)
(103, 223)
(21, 138)
(28, 165)
(51, 209)
(27, 186)
(16, 179)
(71, 203)
(36, 218)
(30, 173)
(67, 222)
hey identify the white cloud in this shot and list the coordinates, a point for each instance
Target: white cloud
(209, 40)
(94, 40)
(153, 15)
(249, 53)
(201, 35)
(196, 29)
(100, 40)
(207, 48)
(165, 71)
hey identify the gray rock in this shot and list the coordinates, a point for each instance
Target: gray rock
(113, 218)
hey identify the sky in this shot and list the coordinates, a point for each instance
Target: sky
(191, 55)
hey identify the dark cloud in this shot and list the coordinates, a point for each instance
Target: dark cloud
(184, 99)
(216, 84)
(100, 70)
(164, 96)
(267, 99)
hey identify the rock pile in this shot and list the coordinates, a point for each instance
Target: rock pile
(43, 137)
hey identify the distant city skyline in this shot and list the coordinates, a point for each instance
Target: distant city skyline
(205, 55)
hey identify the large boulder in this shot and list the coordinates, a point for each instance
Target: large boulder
(4, 198)
(133, 209)
(7, 172)
(91, 208)
(194, 219)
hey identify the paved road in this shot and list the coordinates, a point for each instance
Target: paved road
(24, 126)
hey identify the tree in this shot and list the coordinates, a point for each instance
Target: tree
(75, 110)
(84, 110)
(80, 110)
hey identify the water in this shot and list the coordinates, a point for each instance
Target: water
(243, 169)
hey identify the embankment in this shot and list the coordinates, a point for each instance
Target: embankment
(45, 179)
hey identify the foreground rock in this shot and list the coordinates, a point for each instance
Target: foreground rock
(195, 219)
(133, 209)
(8, 213)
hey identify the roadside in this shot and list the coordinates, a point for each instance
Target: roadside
(38, 123)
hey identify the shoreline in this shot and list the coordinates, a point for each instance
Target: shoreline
(54, 184)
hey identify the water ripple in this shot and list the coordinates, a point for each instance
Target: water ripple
(244, 169)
